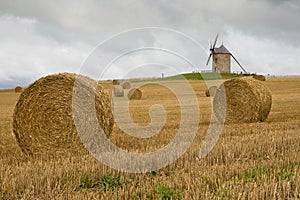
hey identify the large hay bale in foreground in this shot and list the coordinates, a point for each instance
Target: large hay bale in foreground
(126, 85)
(259, 77)
(210, 92)
(118, 91)
(242, 100)
(135, 93)
(43, 120)
(18, 89)
(116, 82)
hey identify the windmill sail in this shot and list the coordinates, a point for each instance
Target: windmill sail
(239, 64)
(215, 41)
(208, 59)
(212, 49)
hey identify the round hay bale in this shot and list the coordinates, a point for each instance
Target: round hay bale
(18, 89)
(43, 119)
(259, 77)
(116, 82)
(118, 91)
(135, 93)
(126, 85)
(242, 100)
(210, 92)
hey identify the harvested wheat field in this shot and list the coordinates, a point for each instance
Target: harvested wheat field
(259, 160)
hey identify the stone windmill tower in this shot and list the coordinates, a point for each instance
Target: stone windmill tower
(221, 59)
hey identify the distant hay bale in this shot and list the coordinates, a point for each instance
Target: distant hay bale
(210, 92)
(118, 91)
(126, 85)
(135, 93)
(248, 100)
(43, 120)
(18, 89)
(259, 77)
(116, 82)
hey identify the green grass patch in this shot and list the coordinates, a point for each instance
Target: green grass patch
(256, 172)
(105, 182)
(203, 76)
(287, 172)
(168, 193)
(192, 76)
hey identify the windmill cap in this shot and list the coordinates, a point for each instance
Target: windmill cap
(222, 50)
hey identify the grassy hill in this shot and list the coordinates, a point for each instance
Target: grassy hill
(204, 76)
(192, 76)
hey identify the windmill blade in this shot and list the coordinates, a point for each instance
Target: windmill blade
(239, 64)
(215, 41)
(208, 59)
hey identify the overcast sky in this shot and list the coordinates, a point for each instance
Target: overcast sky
(44, 37)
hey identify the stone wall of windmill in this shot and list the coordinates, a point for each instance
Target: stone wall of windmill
(221, 63)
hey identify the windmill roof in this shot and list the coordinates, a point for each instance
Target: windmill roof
(222, 50)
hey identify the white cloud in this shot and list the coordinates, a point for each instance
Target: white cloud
(263, 55)
(26, 55)
(43, 37)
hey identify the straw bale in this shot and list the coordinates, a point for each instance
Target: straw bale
(210, 92)
(18, 89)
(259, 77)
(118, 91)
(126, 85)
(116, 82)
(135, 93)
(242, 100)
(43, 120)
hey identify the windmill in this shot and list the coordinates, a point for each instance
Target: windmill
(221, 58)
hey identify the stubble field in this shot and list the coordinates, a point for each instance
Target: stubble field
(249, 161)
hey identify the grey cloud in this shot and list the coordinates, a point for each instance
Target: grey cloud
(275, 19)
(62, 34)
